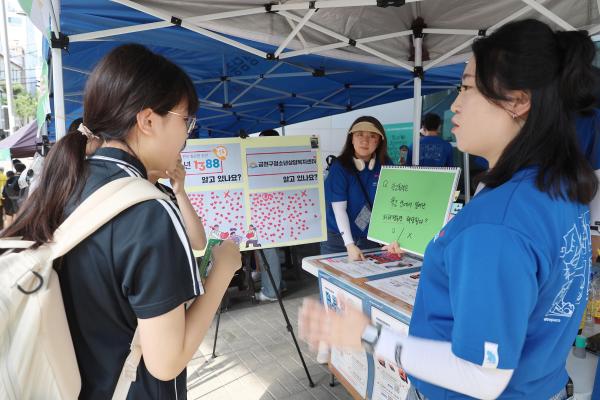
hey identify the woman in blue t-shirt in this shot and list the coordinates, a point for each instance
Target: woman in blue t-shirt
(505, 283)
(350, 188)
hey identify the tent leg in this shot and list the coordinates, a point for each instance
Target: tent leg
(417, 108)
(57, 78)
(7, 69)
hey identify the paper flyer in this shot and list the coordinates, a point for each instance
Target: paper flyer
(260, 192)
(402, 287)
(390, 382)
(353, 366)
(374, 264)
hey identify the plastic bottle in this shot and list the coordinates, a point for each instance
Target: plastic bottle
(579, 348)
(581, 367)
(588, 322)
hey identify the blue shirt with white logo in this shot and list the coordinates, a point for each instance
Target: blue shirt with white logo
(343, 185)
(433, 152)
(506, 282)
(588, 136)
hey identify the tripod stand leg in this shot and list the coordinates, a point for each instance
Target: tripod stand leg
(214, 355)
(285, 316)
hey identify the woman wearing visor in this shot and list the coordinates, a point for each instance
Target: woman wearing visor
(350, 188)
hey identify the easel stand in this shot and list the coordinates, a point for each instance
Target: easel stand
(285, 316)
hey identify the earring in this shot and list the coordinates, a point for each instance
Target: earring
(513, 115)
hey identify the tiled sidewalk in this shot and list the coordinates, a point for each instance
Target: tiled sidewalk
(256, 357)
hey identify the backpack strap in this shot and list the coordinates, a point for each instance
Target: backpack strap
(129, 371)
(100, 207)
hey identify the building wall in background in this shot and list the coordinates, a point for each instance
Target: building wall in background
(332, 131)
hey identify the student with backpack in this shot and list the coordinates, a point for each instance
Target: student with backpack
(132, 279)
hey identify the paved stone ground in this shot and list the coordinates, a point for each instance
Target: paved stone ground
(256, 357)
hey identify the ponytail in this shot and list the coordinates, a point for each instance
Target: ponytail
(577, 77)
(556, 70)
(63, 176)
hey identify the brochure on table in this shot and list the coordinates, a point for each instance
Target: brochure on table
(390, 381)
(351, 365)
(259, 192)
(411, 205)
(376, 265)
(400, 287)
(368, 376)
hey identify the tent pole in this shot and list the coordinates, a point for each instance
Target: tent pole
(82, 37)
(504, 21)
(297, 95)
(549, 14)
(594, 30)
(313, 50)
(300, 37)
(7, 71)
(345, 40)
(295, 31)
(315, 104)
(467, 32)
(374, 97)
(184, 24)
(258, 80)
(282, 121)
(418, 44)
(57, 76)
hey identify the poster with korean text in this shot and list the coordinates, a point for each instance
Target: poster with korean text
(260, 192)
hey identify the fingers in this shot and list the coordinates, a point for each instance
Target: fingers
(393, 248)
(313, 323)
(361, 256)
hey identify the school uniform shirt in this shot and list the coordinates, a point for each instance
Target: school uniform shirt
(168, 191)
(139, 265)
(433, 152)
(506, 282)
(343, 185)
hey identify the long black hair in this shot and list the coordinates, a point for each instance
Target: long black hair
(127, 80)
(381, 152)
(555, 69)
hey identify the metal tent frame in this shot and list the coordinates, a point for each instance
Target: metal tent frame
(282, 56)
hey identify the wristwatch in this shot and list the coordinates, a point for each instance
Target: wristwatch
(369, 337)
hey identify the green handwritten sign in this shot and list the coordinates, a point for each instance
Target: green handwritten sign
(411, 205)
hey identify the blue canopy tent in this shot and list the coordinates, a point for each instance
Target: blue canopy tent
(260, 66)
(239, 91)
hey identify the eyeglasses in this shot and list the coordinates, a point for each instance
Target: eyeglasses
(190, 121)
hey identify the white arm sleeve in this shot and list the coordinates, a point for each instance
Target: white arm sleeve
(342, 221)
(434, 362)
(595, 210)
